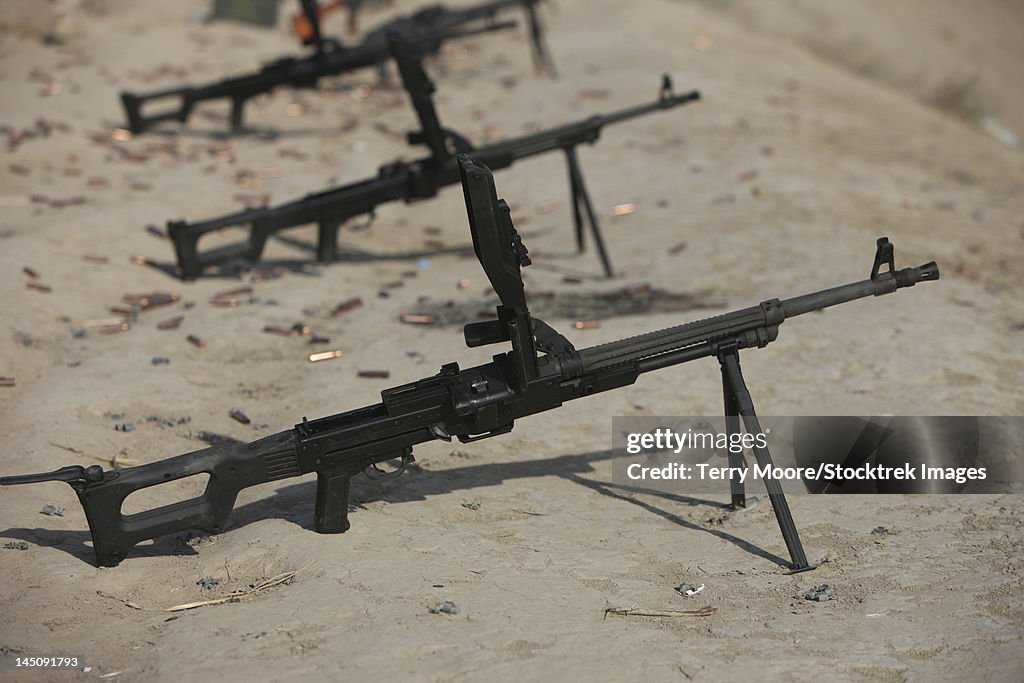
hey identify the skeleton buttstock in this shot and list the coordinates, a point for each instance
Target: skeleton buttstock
(139, 122)
(114, 533)
(230, 467)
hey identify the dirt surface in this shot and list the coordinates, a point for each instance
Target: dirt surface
(778, 183)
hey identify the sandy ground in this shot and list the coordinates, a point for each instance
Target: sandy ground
(778, 182)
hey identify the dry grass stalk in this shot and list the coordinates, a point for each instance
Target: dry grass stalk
(706, 611)
(238, 596)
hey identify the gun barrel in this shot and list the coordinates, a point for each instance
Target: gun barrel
(652, 344)
(666, 101)
(883, 284)
(506, 152)
(753, 326)
(439, 17)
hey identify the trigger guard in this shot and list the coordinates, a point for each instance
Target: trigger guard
(375, 473)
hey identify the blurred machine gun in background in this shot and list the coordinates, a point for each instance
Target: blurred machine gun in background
(413, 180)
(427, 29)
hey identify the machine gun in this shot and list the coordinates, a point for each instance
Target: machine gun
(540, 372)
(410, 181)
(427, 29)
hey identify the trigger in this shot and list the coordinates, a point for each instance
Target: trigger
(377, 474)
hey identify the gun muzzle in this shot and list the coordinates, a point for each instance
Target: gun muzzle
(908, 277)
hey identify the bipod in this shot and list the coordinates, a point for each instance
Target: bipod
(738, 404)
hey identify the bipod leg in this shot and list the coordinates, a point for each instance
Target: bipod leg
(237, 114)
(383, 75)
(577, 208)
(737, 388)
(736, 459)
(542, 63)
(580, 198)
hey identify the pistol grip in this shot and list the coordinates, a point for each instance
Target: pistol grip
(237, 113)
(332, 494)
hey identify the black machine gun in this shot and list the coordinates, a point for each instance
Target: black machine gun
(540, 371)
(410, 181)
(427, 29)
